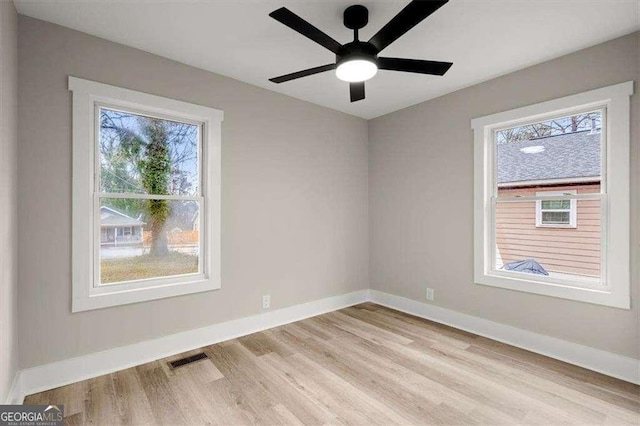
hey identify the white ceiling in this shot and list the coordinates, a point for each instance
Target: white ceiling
(483, 38)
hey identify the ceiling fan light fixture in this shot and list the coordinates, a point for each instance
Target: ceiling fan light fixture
(356, 70)
(358, 61)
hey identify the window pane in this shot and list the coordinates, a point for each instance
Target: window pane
(556, 217)
(163, 239)
(556, 204)
(564, 150)
(561, 252)
(145, 155)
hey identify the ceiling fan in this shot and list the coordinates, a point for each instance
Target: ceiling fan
(358, 61)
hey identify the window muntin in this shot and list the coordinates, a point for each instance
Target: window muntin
(142, 157)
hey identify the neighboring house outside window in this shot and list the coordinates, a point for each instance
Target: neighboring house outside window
(144, 167)
(551, 197)
(116, 228)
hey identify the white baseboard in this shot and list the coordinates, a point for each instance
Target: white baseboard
(16, 395)
(604, 362)
(49, 376)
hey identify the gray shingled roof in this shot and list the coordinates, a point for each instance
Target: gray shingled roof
(112, 217)
(571, 155)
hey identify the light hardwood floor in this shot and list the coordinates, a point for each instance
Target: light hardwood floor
(362, 365)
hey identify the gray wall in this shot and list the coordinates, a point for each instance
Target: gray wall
(8, 203)
(302, 195)
(421, 199)
(295, 202)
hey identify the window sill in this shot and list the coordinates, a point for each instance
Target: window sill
(122, 295)
(594, 293)
(546, 225)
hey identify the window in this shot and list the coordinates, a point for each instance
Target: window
(551, 203)
(143, 167)
(556, 213)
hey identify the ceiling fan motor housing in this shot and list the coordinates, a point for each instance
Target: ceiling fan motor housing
(357, 50)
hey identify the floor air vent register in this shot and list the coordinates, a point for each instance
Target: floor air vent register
(187, 360)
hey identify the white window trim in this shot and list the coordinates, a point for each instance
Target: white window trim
(573, 211)
(86, 295)
(615, 290)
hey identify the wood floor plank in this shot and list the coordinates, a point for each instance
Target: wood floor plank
(350, 404)
(414, 332)
(289, 397)
(529, 381)
(416, 387)
(364, 329)
(467, 381)
(227, 405)
(609, 389)
(101, 402)
(262, 343)
(363, 365)
(573, 404)
(286, 416)
(191, 393)
(357, 372)
(74, 420)
(72, 396)
(131, 400)
(161, 396)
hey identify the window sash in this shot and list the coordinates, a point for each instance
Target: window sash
(576, 280)
(602, 108)
(98, 106)
(146, 282)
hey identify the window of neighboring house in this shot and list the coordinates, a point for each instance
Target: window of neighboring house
(556, 213)
(552, 197)
(151, 163)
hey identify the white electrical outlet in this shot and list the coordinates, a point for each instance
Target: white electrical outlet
(430, 294)
(266, 301)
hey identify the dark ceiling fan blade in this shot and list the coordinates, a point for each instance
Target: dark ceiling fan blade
(357, 91)
(414, 65)
(298, 24)
(409, 17)
(303, 73)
